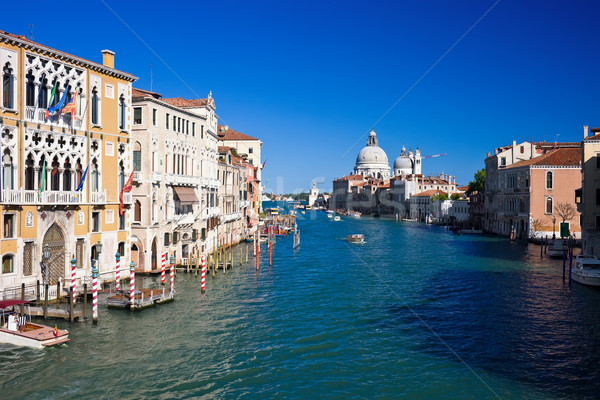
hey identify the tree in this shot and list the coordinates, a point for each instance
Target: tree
(478, 182)
(536, 226)
(566, 211)
(455, 196)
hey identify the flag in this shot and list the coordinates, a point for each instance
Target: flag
(54, 170)
(127, 188)
(43, 184)
(51, 98)
(58, 106)
(71, 107)
(263, 166)
(80, 186)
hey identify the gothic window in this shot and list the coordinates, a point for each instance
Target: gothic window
(67, 175)
(7, 87)
(54, 181)
(42, 174)
(122, 112)
(549, 180)
(7, 171)
(95, 106)
(30, 90)
(56, 93)
(137, 156)
(29, 173)
(121, 175)
(95, 175)
(78, 172)
(43, 96)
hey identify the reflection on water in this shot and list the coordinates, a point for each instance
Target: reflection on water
(338, 320)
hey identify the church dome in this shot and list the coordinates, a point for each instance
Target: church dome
(372, 155)
(402, 162)
(372, 160)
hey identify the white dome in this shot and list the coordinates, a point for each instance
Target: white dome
(402, 162)
(371, 155)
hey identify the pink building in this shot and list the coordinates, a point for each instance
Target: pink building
(533, 192)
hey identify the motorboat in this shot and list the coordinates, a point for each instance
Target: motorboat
(16, 329)
(472, 231)
(354, 214)
(337, 218)
(586, 270)
(357, 238)
(329, 215)
(558, 248)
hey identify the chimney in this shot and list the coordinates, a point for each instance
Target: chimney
(108, 58)
(488, 154)
(496, 151)
(585, 131)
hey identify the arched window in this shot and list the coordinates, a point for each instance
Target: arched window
(121, 175)
(43, 96)
(7, 87)
(95, 175)
(67, 176)
(122, 112)
(7, 264)
(549, 205)
(30, 90)
(54, 181)
(7, 171)
(137, 156)
(42, 175)
(137, 213)
(95, 107)
(56, 97)
(29, 173)
(549, 180)
(121, 249)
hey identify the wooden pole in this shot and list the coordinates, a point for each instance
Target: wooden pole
(570, 265)
(241, 251)
(246, 254)
(270, 253)
(23, 297)
(564, 262)
(37, 295)
(72, 305)
(85, 301)
(58, 296)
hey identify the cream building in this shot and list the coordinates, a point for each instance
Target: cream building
(45, 159)
(175, 191)
(589, 194)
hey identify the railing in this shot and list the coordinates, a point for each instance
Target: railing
(127, 198)
(21, 196)
(232, 217)
(156, 176)
(137, 176)
(35, 114)
(99, 197)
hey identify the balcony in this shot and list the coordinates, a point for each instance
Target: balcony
(127, 198)
(156, 176)
(38, 115)
(137, 176)
(21, 196)
(232, 217)
(176, 179)
(99, 197)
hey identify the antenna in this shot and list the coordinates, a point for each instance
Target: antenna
(30, 31)
(150, 77)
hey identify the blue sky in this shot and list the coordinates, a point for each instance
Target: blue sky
(310, 79)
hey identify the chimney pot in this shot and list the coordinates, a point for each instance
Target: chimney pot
(585, 131)
(108, 58)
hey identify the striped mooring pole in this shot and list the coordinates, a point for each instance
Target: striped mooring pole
(203, 281)
(94, 292)
(162, 268)
(118, 272)
(73, 266)
(132, 283)
(172, 259)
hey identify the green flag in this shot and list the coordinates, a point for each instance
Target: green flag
(53, 93)
(43, 184)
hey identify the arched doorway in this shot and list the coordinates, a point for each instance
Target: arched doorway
(154, 255)
(135, 254)
(55, 240)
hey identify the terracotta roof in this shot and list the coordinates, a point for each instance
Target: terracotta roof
(596, 136)
(135, 92)
(23, 38)
(350, 178)
(561, 156)
(230, 134)
(428, 193)
(184, 103)
(463, 188)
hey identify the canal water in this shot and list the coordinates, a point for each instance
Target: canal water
(415, 312)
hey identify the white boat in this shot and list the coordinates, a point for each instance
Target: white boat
(354, 214)
(558, 248)
(331, 212)
(472, 231)
(329, 215)
(586, 270)
(357, 238)
(296, 238)
(17, 330)
(337, 218)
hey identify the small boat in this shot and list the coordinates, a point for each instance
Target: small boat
(330, 212)
(329, 215)
(357, 238)
(337, 218)
(296, 238)
(472, 231)
(16, 329)
(354, 214)
(586, 270)
(558, 248)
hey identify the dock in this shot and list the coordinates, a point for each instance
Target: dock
(143, 298)
(57, 313)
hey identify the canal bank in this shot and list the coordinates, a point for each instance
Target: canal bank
(415, 312)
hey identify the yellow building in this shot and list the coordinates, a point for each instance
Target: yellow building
(45, 157)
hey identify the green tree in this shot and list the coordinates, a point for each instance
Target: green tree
(455, 196)
(478, 182)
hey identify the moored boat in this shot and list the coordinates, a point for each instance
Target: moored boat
(337, 218)
(586, 270)
(16, 330)
(357, 238)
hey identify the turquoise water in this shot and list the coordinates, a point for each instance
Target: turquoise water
(416, 312)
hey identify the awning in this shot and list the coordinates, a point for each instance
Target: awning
(8, 303)
(186, 195)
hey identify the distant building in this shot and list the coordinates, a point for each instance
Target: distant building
(589, 193)
(372, 160)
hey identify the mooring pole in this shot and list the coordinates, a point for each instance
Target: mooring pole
(95, 292)
(564, 262)
(46, 302)
(72, 308)
(85, 301)
(203, 279)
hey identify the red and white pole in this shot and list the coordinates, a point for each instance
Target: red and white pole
(172, 273)
(162, 268)
(73, 266)
(118, 273)
(270, 252)
(257, 254)
(132, 283)
(95, 292)
(203, 281)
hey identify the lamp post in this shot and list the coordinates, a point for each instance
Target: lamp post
(46, 256)
(553, 227)
(172, 260)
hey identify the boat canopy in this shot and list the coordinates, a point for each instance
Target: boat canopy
(10, 303)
